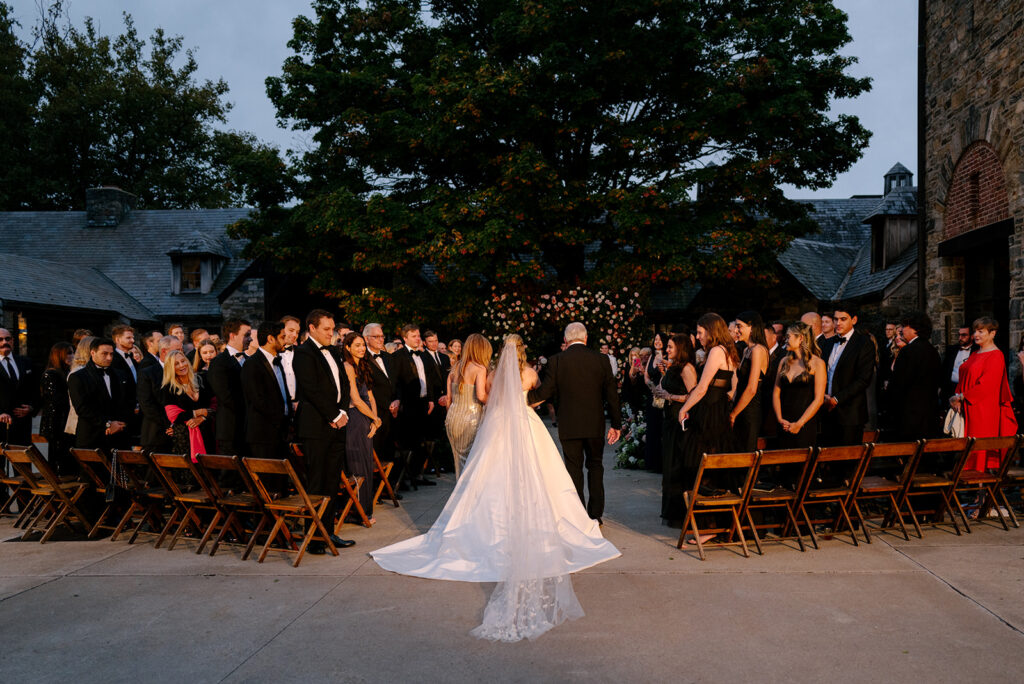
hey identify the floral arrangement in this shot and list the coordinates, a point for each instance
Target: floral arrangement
(614, 317)
(629, 452)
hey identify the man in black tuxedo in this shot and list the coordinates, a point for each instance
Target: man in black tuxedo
(267, 408)
(413, 402)
(150, 352)
(849, 356)
(383, 394)
(913, 391)
(19, 393)
(125, 364)
(583, 381)
(225, 376)
(323, 393)
(153, 431)
(438, 365)
(97, 393)
(955, 355)
(776, 351)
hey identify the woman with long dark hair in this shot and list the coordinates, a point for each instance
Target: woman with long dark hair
(679, 379)
(746, 410)
(56, 406)
(654, 413)
(363, 421)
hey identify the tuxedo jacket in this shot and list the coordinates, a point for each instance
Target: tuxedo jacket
(383, 385)
(317, 392)
(16, 392)
(437, 373)
(913, 392)
(406, 380)
(120, 365)
(265, 408)
(148, 361)
(154, 418)
(225, 377)
(583, 381)
(94, 405)
(851, 377)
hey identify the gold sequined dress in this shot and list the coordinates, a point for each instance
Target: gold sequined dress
(462, 422)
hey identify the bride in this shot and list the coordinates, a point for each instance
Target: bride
(514, 518)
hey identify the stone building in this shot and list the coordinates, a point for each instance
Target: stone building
(113, 263)
(973, 189)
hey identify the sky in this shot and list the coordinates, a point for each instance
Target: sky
(245, 41)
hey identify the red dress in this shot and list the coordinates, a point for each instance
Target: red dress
(987, 404)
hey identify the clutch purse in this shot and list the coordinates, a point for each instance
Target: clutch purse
(953, 425)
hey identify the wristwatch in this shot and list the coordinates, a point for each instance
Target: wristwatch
(108, 424)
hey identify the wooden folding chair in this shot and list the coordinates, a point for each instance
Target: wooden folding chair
(383, 470)
(792, 465)
(935, 475)
(146, 492)
(299, 506)
(190, 494)
(18, 493)
(58, 499)
(239, 505)
(843, 465)
(986, 482)
(885, 475)
(349, 491)
(721, 502)
(1011, 475)
(95, 467)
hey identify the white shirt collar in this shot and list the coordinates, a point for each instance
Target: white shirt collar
(270, 357)
(232, 351)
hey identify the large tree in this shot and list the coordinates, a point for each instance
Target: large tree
(100, 110)
(539, 141)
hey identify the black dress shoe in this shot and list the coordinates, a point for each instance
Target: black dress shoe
(341, 543)
(316, 548)
(424, 481)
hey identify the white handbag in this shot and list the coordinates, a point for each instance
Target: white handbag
(953, 425)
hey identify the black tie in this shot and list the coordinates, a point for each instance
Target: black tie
(9, 369)
(239, 355)
(841, 340)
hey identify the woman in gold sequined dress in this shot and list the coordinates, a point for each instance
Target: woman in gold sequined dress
(467, 390)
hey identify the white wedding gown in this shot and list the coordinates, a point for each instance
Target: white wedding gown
(514, 518)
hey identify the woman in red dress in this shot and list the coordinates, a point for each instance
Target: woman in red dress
(983, 394)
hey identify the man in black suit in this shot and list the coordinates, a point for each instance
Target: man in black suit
(125, 364)
(267, 408)
(383, 394)
(438, 365)
(323, 393)
(97, 393)
(413, 402)
(153, 431)
(956, 354)
(776, 351)
(225, 376)
(913, 391)
(19, 393)
(583, 381)
(151, 352)
(849, 356)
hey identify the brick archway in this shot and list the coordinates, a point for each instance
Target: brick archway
(977, 193)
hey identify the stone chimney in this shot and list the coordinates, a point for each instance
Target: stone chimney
(106, 207)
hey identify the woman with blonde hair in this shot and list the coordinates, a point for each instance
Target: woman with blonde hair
(78, 362)
(186, 403)
(799, 389)
(468, 379)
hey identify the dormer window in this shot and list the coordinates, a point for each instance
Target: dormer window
(191, 273)
(196, 263)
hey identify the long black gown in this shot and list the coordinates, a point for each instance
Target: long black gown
(654, 418)
(795, 396)
(673, 478)
(707, 429)
(748, 422)
(359, 449)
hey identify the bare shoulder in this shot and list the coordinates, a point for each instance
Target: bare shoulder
(530, 378)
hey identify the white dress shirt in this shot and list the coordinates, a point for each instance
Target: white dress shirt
(326, 351)
(833, 358)
(279, 376)
(961, 356)
(615, 364)
(235, 354)
(11, 367)
(127, 356)
(418, 362)
(287, 358)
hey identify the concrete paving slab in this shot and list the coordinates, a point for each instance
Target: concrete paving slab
(12, 586)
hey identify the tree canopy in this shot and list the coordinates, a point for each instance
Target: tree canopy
(82, 109)
(548, 141)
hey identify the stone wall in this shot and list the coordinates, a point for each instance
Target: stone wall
(247, 301)
(974, 99)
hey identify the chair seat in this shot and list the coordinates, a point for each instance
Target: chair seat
(976, 477)
(1015, 473)
(44, 489)
(237, 500)
(193, 497)
(930, 481)
(830, 493)
(877, 483)
(777, 494)
(294, 502)
(726, 498)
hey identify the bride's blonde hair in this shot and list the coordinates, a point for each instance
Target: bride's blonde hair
(520, 349)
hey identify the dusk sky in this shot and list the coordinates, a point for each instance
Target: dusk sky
(244, 42)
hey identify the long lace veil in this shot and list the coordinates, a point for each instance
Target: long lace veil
(534, 592)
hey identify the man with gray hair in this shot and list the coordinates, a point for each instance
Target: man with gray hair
(384, 394)
(582, 380)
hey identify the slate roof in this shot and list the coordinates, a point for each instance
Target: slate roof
(898, 169)
(134, 254)
(835, 262)
(33, 281)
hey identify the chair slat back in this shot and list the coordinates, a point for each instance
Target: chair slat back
(708, 462)
(95, 465)
(892, 457)
(22, 464)
(273, 466)
(786, 457)
(1010, 457)
(852, 456)
(933, 449)
(221, 463)
(43, 468)
(193, 480)
(1007, 445)
(139, 470)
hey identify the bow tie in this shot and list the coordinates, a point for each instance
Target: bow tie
(841, 340)
(277, 361)
(375, 356)
(238, 355)
(290, 348)
(105, 371)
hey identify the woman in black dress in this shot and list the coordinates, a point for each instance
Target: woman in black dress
(362, 419)
(704, 416)
(186, 402)
(56, 406)
(201, 365)
(680, 377)
(799, 389)
(746, 410)
(653, 408)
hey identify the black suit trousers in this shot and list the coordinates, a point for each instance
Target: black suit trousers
(589, 452)
(324, 460)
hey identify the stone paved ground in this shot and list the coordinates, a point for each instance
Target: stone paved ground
(941, 609)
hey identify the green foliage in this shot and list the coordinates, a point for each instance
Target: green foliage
(516, 141)
(101, 110)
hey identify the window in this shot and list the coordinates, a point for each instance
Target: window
(191, 276)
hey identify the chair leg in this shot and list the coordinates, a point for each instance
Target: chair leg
(739, 531)
(696, 538)
(278, 522)
(849, 525)
(217, 515)
(894, 512)
(860, 518)
(167, 527)
(948, 507)
(753, 532)
(255, 535)
(810, 527)
(913, 518)
(1001, 491)
(796, 528)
